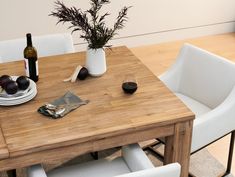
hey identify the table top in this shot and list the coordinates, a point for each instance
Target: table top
(110, 111)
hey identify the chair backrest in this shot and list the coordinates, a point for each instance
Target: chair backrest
(206, 77)
(171, 170)
(53, 44)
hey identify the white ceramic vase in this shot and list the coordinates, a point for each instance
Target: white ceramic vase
(96, 62)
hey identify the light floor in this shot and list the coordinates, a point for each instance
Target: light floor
(160, 56)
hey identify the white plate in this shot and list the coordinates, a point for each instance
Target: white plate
(31, 89)
(27, 96)
(19, 101)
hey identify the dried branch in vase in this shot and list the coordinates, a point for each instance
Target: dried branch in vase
(90, 23)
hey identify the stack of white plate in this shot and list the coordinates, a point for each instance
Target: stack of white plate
(20, 97)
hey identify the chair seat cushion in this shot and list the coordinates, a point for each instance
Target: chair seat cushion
(97, 168)
(196, 107)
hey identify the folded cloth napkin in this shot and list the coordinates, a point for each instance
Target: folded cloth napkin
(62, 106)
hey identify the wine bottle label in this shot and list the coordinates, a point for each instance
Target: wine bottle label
(26, 66)
(37, 71)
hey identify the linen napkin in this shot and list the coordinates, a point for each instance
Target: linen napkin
(62, 106)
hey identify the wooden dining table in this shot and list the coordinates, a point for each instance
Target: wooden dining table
(111, 118)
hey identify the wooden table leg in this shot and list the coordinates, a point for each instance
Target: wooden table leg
(178, 146)
(11, 173)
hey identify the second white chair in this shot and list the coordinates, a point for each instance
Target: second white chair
(205, 82)
(53, 44)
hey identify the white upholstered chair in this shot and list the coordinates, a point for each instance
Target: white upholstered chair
(133, 163)
(206, 84)
(53, 44)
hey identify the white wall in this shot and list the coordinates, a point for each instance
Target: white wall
(150, 21)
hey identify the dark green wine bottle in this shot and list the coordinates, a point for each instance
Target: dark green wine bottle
(31, 60)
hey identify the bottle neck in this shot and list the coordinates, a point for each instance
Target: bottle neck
(29, 40)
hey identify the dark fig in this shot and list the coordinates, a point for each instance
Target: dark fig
(11, 87)
(4, 79)
(129, 87)
(83, 73)
(23, 82)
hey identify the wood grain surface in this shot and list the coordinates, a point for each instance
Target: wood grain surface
(4, 153)
(110, 114)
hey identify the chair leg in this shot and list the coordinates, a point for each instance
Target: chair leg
(154, 152)
(95, 155)
(11, 173)
(158, 155)
(230, 155)
(190, 175)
